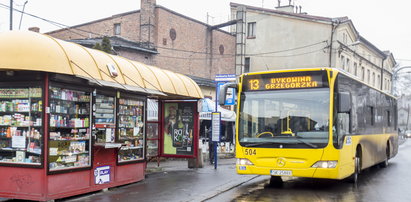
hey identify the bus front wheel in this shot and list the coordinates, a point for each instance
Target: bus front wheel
(357, 169)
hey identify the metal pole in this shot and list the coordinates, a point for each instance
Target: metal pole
(11, 14)
(216, 110)
(408, 118)
(21, 17)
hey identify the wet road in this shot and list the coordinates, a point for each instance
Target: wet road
(391, 184)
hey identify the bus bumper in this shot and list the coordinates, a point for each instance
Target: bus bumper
(326, 173)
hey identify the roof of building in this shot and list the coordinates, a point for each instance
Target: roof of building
(133, 12)
(30, 51)
(297, 15)
(94, 21)
(203, 81)
(116, 42)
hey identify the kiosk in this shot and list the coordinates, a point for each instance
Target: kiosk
(74, 120)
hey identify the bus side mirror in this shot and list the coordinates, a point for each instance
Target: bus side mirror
(344, 102)
(223, 92)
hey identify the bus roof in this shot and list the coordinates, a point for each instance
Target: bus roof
(317, 69)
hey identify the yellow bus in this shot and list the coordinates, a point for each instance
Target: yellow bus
(314, 123)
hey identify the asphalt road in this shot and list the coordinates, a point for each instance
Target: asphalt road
(391, 184)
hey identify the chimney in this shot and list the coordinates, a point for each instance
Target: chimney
(287, 8)
(147, 23)
(34, 29)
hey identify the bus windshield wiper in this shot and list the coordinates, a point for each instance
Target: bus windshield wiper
(299, 139)
(260, 144)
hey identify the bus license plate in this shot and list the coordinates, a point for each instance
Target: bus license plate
(282, 172)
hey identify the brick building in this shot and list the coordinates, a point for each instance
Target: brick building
(158, 36)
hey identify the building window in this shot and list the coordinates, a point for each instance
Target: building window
(355, 69)
(344, 38)
(378, 81)
(117, 29)
(221, 49)
(372, 116)
(388, 84)
(348, 65)
(251, 30)
(247, 65)
(368, 76)
(342, 62)
(363, 73)
(373, 79)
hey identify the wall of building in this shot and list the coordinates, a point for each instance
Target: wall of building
(190, 51)
(292, 43)
(143, 58)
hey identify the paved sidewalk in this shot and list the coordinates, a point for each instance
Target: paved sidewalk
(174, 181)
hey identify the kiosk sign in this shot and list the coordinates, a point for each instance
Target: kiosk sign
(102, 175)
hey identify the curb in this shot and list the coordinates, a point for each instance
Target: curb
(222, 188)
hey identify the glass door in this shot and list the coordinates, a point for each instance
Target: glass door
(152, 128)
(131, 129)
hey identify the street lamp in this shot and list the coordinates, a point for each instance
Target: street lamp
(395, 77)
(21, 18)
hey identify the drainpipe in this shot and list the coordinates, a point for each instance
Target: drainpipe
(382, 73)
(334, 25)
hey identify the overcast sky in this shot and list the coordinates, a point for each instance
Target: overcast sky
(386, 24)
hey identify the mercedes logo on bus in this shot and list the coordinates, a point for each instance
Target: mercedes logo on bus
(281, 162)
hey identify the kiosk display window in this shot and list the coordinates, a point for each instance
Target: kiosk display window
(70, 131)
(104, 118)
(21, 135)
(131, 130)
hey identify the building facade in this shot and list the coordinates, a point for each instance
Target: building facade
(284, 38)
(158, 36)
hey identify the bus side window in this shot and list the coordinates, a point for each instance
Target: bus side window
(343, 127)
(343, 117)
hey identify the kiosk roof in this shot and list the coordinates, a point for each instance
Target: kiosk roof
(30, 51)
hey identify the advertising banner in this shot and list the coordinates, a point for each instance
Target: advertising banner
(179, 128)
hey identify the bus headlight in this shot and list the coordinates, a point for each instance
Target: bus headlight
(325, 164)
(243, 162)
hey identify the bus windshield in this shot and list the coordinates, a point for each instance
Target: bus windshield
(297, 118)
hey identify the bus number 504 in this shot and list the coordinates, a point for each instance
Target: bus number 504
(250, 152)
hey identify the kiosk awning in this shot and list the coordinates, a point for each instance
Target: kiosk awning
(30, 51)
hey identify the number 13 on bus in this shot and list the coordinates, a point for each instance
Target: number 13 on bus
(315, 123)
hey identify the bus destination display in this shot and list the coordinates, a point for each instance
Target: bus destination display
(280, 82)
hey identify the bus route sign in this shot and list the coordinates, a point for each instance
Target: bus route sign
(282, 81)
